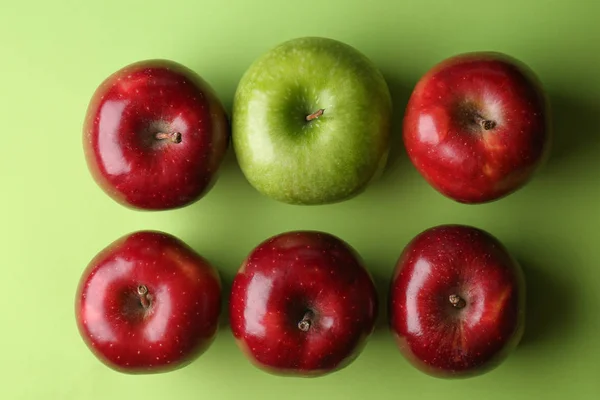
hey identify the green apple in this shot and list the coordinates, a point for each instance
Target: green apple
(311, 122)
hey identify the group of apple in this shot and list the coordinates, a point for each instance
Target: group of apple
(310, 124)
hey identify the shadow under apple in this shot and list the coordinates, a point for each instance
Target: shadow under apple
(382, 277)
(231, 175)
(398, 159)
(227, 276)
(551, 304)
(576, 129)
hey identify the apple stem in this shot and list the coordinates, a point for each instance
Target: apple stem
(486, 124)
(315, 115)
(142, 291)
(174, 137)
(457, 301)
(304, 324)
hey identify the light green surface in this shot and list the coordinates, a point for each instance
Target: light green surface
(54, 218)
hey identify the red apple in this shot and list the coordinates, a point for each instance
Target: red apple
(155, 135)
(148, 303)
(302, 304)
(477, 126)
(457, 302)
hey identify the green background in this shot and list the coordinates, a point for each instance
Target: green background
(54, 218)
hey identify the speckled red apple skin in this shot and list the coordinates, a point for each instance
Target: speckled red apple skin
(287, 275)
(438, 338)
(184, 292)
(454, 154)
(120, 146)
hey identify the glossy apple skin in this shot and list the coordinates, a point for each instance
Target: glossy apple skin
(456, 155)
(329, 159)
(438, 338)
(184, 295)
(288, 275)
(122, 152)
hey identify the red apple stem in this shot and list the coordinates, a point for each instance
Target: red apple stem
(174, 137)
(142, 291)
(315, 115)
(305, 323)
(457, 301)
(486, 124)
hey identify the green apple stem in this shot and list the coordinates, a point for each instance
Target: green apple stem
(142, 292)
(305, 323)
(315, 115)
(457, 301)
(174, 137)
(486, 124)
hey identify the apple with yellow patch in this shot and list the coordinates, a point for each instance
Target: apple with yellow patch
(457, 302)
(477, 126)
